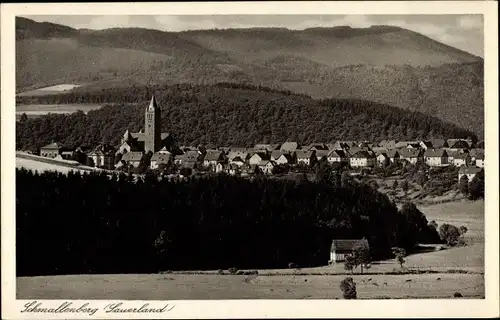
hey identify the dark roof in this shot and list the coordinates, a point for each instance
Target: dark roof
(289, 146)
(161, 157)
(409, 153)
(301, 154)
(435, 153)
(276, 154)
(132, 156)
(438, 143)
(393, 153)
(264, 156)
(337, 154)
(348, 245)
(469, 170)
(53, 145)
(213, 155)
(363, 154)
(462, 156)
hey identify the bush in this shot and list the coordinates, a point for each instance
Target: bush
(220, 271)
(348, 287)
(232, 270)
(449, 233)
(457, 295)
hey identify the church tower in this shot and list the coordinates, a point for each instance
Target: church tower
(152, 127)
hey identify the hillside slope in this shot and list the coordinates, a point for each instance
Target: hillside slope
(227, 115)
(385, 64)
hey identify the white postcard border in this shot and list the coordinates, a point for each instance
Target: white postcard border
(488, 307)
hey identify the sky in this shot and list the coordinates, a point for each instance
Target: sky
(464, 32)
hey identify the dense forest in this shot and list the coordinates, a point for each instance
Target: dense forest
(98, 224)
(226, 114)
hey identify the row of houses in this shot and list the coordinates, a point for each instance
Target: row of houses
(267, 156)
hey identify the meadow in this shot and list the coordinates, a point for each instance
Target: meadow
(307, 283)
(35, 110)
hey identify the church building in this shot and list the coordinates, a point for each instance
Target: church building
(151, 139)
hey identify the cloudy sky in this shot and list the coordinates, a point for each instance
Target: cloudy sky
(461, 31)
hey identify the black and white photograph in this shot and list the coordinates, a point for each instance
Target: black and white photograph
(170, 157)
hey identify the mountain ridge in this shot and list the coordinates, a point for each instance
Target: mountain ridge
(384, 64)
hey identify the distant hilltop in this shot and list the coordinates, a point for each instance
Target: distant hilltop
(384, 64)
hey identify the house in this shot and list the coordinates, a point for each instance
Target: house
(219, 167)
(438, 143)
(389, 145)
(132, 158)
(469, 172)
(452, 153)
(232, 169)
(338, 145)
(160, 158)
(410, 155)
(462, 159)
(475, 152)
(337, 156)
(243, 154)
(393, 156)
(455, 144)
(317, 147)
(276, 154)
(320, 154)
(103, 156)
(340, 249)
(289, 147)
(51, 150)
(248, 169)
(362, 159)
(436, 157)
(479, 160)
(382, 159)
(305, 157)
(266, 166)
(258, 157)
(213, 157)
(285, 158)
(267, 147)
(237, 161)
(80, 154)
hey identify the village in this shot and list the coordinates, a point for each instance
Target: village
(152, 149)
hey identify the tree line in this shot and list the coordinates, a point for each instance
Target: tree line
(95, 223)
(226, 115)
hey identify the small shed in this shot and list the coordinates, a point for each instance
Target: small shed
(342, 248)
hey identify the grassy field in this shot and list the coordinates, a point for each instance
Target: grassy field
(35, 110)
(166, 287)
(313, 283)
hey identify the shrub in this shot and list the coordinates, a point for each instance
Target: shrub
(457, 295)
(348, 287)
(449, 233)
(232, 270)
(220, 271)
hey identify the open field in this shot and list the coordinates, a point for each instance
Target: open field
(41, 166)
(49, 90)
(35, 110)
(172, 286)
(313, 283)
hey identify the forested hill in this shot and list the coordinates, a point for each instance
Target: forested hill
(225, 115)
(385, 64)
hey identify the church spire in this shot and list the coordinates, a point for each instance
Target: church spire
(152, 104)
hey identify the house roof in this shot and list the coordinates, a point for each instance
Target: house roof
(409, 153)
(363, 154)
(435, 153)
(266, 146)
(53, 145)
(302, 154)
(276, 154)
(438, 143)
(469, 170)
(427, 144)
(322, 153)
(132, 156)
(161, 157)
(475, 152)
(337, 154)
(393, 153)
(458, 143)
(233, 154)
(190, 156)
(287, 156)
(348, 245)
(213, 155)
(289, 146)
(263, 156)
(379, 150)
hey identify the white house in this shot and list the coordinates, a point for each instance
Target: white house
(340, 249)
(362, 159)
(469, 172)
(160, 158)
(305, 157)
(266, 166)
(480, 160)
(436, 157)
(258, 157)
(337, 156)
(284, 159)
(462, 159)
